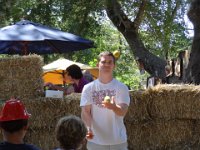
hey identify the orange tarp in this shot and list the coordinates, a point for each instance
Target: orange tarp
(54, 71)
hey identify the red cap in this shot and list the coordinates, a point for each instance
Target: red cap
(13, 110)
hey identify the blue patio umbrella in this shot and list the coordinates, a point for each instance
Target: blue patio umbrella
(26, 37)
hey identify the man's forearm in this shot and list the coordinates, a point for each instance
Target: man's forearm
(120, 110)
(86, 117)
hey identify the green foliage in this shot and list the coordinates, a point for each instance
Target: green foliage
(127, 71)
(162, 30)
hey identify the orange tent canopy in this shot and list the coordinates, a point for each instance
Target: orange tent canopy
(54, 72)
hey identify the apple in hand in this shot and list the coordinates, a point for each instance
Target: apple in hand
(89, 135)
(107, 99)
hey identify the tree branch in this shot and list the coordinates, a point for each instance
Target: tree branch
(140, 14)
(178, 4)
(152, 64)
(118, 17)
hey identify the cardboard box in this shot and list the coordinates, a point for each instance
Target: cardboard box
(54, 94)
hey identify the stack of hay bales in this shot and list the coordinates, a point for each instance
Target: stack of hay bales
(20, 77)
(45, 114)
(164, 117)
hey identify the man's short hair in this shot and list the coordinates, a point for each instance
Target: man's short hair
(107, 53)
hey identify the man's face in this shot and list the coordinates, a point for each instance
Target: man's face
(106, 64)
(68, 78)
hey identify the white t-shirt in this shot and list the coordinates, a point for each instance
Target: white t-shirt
(108, 128)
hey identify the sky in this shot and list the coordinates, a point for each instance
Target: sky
(189, 26)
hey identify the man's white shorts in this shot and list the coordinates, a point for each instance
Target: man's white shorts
(93, 146)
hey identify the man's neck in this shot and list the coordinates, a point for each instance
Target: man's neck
(105, 79)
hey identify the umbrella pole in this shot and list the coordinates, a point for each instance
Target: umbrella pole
(25, 49)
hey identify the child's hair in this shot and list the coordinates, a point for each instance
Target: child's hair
(70, 132)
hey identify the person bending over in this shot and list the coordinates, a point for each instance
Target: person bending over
(75, 76)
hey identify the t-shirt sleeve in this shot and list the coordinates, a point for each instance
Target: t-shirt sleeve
(86, 98)
(123, 95)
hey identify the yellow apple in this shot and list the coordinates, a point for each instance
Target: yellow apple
(116, 54)
(107, 99)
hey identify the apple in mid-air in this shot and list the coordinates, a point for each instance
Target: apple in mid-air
(116, 54)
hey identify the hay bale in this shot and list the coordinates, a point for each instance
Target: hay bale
(158, 134)
(196, 132)
(45, 114)
(47, 111)
(138, 110)
(174, 102)
(21, 76)
(42, 138)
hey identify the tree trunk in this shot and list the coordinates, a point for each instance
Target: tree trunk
(152, 64)
(193, 70)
